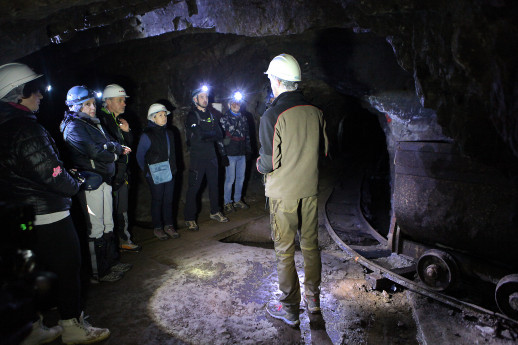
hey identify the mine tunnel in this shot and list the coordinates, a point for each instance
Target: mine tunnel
(417, 194)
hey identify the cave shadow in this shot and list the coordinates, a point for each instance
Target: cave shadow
(250, 162)
(335, 48)
(317, 326)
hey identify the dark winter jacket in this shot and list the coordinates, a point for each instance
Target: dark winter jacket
(30, 169)
(236, 134)
(203, 134)
(111, 124)
(152, 147)
(291, 133)
(92, 149)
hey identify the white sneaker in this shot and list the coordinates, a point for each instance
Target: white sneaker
(41, 334)
(81, 332)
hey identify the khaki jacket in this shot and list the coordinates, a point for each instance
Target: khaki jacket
(292, 136)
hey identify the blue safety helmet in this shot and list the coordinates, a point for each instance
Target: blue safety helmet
(78, 95)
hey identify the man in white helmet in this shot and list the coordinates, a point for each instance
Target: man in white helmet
(291, 133)
(114, 105)
(31, 172)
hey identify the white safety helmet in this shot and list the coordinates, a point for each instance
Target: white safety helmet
(13, 75)
(113, 90)
(155, 108)
(284, 67)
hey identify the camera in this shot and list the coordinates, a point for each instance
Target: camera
(23, 289)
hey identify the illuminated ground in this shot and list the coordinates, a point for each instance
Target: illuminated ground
(204, 289)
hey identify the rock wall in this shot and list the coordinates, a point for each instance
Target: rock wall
(462, 57)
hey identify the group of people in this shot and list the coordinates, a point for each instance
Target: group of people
(291, 133)
(206, 136)
(32, 172)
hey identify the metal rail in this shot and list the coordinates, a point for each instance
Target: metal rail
(402, 281)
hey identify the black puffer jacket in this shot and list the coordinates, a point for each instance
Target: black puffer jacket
(92, 149)
(30, 169)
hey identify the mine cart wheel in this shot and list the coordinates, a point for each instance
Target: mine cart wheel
(506, 295)
(437, 269)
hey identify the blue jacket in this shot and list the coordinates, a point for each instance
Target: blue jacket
(92, 149)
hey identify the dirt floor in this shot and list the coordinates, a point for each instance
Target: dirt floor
(211, 286)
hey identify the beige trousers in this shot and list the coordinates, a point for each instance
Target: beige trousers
(287, 217)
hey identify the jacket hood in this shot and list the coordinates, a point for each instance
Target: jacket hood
(292, 95)
(10, 111)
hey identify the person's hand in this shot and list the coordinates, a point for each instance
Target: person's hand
(225, 161)
(77, 176)
(126, 149)
(124, 125)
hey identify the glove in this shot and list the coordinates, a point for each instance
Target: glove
(77, 176)
(225, 161)
(113, 147)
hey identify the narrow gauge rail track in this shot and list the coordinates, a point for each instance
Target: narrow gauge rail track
(345, 223)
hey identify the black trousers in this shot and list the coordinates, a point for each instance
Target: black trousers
(198, 169)
(57, 249)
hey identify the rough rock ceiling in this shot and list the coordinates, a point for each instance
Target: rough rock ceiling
(39, 23)
(462, 54)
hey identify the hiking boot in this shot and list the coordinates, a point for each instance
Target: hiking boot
(41, 334)
(313, 304)
(191, 225)
(219, 217)
(278, 311)
(228, 208)
(171, 231)
(160, 234)
(241, 204)
(120, 267)
(81, 332)
(111, 277)
(129, 246)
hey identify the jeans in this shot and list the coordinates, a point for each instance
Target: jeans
(161, 202)
(287, 217)
(234, 172)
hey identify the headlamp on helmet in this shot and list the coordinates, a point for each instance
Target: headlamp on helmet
(237, 97)
(202, 89)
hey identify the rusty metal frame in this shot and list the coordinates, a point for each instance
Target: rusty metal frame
(404, 282)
